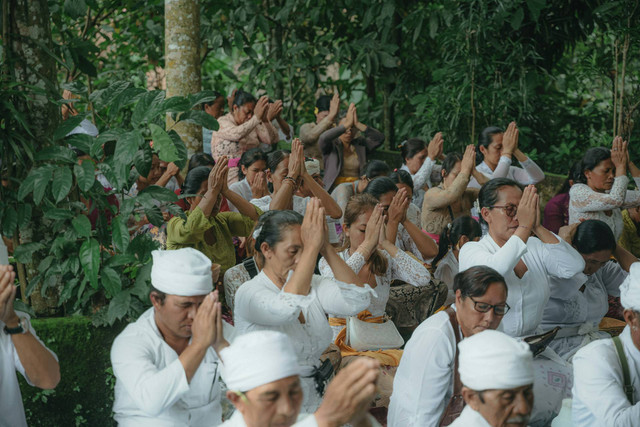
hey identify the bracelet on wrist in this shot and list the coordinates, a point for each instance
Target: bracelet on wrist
(293, 181)
(525, 227)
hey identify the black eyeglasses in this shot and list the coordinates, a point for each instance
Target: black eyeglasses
(483, 307)
(509, 210)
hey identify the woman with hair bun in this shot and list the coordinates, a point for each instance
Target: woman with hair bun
(252, 182)
(600, 191)
(419, 159)
(287, 297)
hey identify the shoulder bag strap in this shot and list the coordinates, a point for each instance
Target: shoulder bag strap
(250, 265)
(457, 384)
(628, 388)
(451, 213)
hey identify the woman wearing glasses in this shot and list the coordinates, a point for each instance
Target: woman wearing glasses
(525, 261)
(424, 381)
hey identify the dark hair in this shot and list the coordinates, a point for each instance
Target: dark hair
(475, 281)
(402, 177)
(462, 226)
(323, 103)
(194, 179)
(450, 162)
(275, 158)
(411, 147)
(213, 101)
(160, 296)
(242, 98)
(592, 236)
(380, 186)
(485, 139)
(489, 192)
(250, 157)
(357, 205)
(573, 174)
(590, 160)
(376, 168)
(271, 225)
(200, 159)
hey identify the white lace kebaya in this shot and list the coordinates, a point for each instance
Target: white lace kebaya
(261, 305)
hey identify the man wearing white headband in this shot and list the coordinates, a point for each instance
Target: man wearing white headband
(262, 375)
(497, 376)
(606, 383)
(165, 363)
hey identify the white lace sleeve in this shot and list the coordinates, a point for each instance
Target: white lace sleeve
(355, 262)
(342, 299)
(584, 199)
(422, 177)
(407, 269)
(233, 278)
(530, 174)
(405, 243)
(263, 306)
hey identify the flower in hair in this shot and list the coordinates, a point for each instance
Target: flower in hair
(256, 232)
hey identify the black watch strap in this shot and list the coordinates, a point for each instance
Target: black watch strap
(12, 331)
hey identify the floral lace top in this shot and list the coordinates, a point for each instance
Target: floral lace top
(584, 203)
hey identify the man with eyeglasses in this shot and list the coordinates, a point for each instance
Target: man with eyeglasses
(497, 376)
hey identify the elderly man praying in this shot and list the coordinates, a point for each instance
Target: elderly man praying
(262, 374)
(165, 364)
(497, 376)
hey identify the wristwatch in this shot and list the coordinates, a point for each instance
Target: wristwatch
(22, 328)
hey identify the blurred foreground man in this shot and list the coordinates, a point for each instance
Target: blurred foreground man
(165, 364)
(497, 376)
(263, 376)
(20, 350)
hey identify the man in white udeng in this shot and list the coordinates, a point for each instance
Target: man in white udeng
(262, 374)
(20, 350)
(497, 376)
(599, 395)
(165, 363)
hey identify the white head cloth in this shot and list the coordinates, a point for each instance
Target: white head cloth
(258, 358)
(630, 289)
(313, 166)
(493, 360)
(185, 272)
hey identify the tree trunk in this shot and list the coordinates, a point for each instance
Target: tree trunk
(182, 61)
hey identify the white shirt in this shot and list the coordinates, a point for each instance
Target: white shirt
(304, 420)
(584, 203)
(151, 385)
(580, 312)
(402, 267)
(446, 271)
(470, 418)
(423, 178)
(242, 188)
(528, 295)
(598, 395)
(530, 173)
(261, 305)
(423, 383)
(11, 408)
(299, 203)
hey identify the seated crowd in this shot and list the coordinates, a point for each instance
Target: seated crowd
(277, 299)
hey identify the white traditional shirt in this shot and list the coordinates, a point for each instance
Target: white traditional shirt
(470, 418)
(530, 173)
(402, 267)
(261, 305)
(423, 383)
(243, 189)
(528, 295)
(423, 178)
(446, 271)
(299, 203)
(577, 312)
(304, 420)
(598, 394)
(151, 385)
(584, 203)
(11, 408)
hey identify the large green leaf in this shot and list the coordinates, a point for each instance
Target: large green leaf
(27, 186)
(143, 160)
(198, 98)
(110, 280)
(43, 176)
(56, 154)
(103, 98)
(67, 126)
(90, 260)
(58, 214)
(517, 18)
(61, 184)
(9, 221)
(24, 215)
(147, 107)
(160, 194)
(175, 104)
(82, 225)
(154, 215)
(119, 306)
(127, 146)
(25, 251)
(200, 118)
(81, 141)
(181, 148)
(85, 175)
(120, 234)
(163, 144)
(143, 279)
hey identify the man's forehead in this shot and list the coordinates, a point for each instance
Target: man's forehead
(181, 298)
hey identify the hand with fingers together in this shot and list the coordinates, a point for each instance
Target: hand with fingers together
(312, 231)
(7, 294)
(510, 140)
(434, 149)
(398, 208)
(372, 232)
(527, 213)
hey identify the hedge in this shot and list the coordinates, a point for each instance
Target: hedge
(85, 393)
